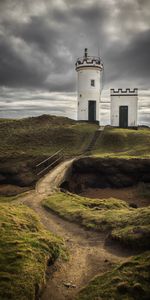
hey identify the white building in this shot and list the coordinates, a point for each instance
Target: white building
(88, 87)
(124, 107)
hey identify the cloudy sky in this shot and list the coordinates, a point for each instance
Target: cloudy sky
(41, 39)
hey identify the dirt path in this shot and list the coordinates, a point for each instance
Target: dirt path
(89, 255)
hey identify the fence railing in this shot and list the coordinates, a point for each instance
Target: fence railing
(47, 163)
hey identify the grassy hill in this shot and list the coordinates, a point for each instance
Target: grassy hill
(125, 143)
(28, 141)
(42, 136)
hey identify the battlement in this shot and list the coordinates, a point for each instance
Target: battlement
(89, 61)
(126, 92)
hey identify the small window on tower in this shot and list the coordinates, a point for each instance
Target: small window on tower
(92, 82)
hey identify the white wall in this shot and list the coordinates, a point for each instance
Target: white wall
(128, 100)
(87, 92)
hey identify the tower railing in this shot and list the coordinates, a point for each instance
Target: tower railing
(89, 60)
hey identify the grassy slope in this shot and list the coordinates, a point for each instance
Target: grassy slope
(26, 142)
(128, 225)
(128, 281)
(25, 249)
(43, 136)
(117, 142)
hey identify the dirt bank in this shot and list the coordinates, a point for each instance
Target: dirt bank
(88, 172)
(129, 194)
(21, 173)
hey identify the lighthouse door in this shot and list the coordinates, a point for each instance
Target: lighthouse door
(92, 111)
(123, 116)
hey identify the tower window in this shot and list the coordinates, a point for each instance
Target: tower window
(92, 82)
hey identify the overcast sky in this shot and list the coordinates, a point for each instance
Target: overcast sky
(41, 39)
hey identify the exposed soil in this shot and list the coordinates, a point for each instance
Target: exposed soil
(88, 253)
(22, 171)
(128, 194)
(88, 172)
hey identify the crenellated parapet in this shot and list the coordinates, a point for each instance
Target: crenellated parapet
(88, 61)
(122, 92)
(124, 106)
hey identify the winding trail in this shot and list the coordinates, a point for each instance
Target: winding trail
(88, 253)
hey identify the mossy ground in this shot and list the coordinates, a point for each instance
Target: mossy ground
(128, 281)
(25, 249)
(127, 225)
(44, 135)
(123, 143)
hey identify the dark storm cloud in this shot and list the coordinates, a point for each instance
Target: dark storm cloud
(52, 36)
(131, 61)
(40, 41)
(14, 69)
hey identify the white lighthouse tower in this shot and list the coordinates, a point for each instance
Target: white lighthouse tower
(88, 87)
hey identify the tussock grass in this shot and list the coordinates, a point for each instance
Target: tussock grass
(25, 248)
(127, 225)
(127, 281)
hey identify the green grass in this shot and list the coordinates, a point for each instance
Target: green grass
(44, 135)
(7, 199)
(127, 281)
(25, 248)
(127, 225)
(125, 143)
(11, 199)
(26, 142)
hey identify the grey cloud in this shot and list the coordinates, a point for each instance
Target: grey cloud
(40, 40)
(130, 62)
(13, 69)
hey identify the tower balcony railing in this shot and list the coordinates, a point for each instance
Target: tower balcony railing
(89, 61)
